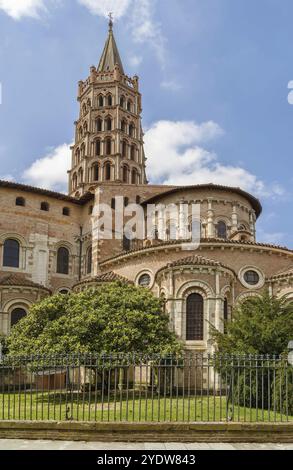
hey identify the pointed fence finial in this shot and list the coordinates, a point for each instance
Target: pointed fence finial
(110, 21)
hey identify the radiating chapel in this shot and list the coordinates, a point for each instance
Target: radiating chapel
(49, 243)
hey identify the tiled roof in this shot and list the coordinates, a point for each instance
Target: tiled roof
(46, 192)
(203, 241)
(210, 187)
(282, 274)
(105, 277)
(20, 281)
(195, 259)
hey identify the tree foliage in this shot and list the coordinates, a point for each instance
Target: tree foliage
(112, 318)
(261, 325)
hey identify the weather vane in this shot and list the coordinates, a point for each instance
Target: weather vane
(110, 20)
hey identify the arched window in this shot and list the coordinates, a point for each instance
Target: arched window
(108, 146)
(80, 175)
(98, 147)
(101, 101)
(11, 253)
(66, 211)
(124, 149)
(131, 130)
(194, 318)
(132, 152)
(16, 315)
(63, 260)
(82, 151)
(126, 243)
(134, 176)
(110, 100)
(109, 124)
(96, 172)
(99, 125)
(122, 101)
(125, 174)
(89, 260)
(77, 156)
(222, 229)
(74, 181)
(20, 201)
(45, 206)
(129, 105)
(85, 127)
(107, 171)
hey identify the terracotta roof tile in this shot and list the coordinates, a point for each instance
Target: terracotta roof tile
(18, 280)
(104, 277)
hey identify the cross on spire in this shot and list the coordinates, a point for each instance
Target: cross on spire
(110, 21)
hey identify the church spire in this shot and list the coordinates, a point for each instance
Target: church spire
(110, 56)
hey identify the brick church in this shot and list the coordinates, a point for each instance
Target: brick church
(49, 243)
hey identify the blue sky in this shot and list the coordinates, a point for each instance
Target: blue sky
(214, 77)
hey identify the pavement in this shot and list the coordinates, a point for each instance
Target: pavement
(21, 444)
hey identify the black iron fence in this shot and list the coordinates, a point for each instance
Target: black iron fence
(137, 388)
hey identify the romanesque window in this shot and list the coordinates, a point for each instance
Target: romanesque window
(74, 181)
(45, 206)
(66, 211)
(80, 175)
(16, 315)
(98, 147)
(109, 124)
(125, 174)
(222, 230)
(132, 152)
(134, 176)
(251, 277)
(144, 280)
(11, 252)
(20, 201)
(110, 100)
(96, 172)
(126, 244)
(63, 261)
(101, 101)
(107, 171)
(124, 149)
(131, 130)
(89, 260)
(99, 125)
(194, 318)
(108, 146)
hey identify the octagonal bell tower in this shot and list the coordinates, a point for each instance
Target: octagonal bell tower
(108, 137)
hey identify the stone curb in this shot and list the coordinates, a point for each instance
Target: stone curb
(148, 432)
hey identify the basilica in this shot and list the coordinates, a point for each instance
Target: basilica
(49, 242)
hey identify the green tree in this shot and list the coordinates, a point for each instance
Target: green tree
(261, 326)
(112, 318)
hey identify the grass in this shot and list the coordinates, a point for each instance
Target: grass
(88, 407)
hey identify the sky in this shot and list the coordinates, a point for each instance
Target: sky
(216, 78)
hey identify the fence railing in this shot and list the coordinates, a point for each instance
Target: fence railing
(137, 388)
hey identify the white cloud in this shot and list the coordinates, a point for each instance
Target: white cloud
(171, 85)
(135, 60)
(176, 155)
(18, 9)
(50, 171)
(104, 7)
